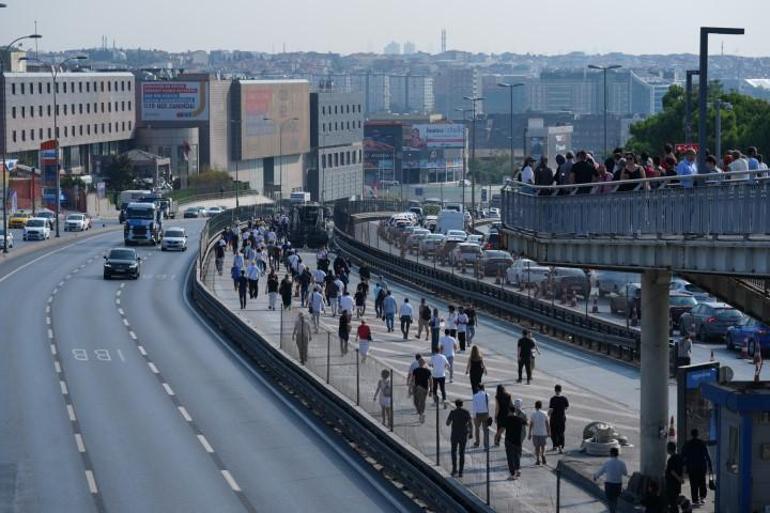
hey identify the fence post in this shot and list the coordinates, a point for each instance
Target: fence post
(392, 401)
(358, 378)
(280, 332)
(328, 355)
(558, 486)
(438, 439)
(486, 439)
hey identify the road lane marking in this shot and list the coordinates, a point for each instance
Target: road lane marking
(117, 301)
(184, 413)
(57, 366)
(71, 413)
(50, 335)
(47, 308)
(141, 350)
(54, 291)
(79, 442)
(61, 284)
(63, 387)
(120, 354)
(168, 389)
(122, 285)
(53, 347)
(121, 312)
(50, 299)
(205, 444)
(133, 336)
(91, 482)
(48, 320)
(230, 480)
(119, 292)
(125, 322)
(153, 368)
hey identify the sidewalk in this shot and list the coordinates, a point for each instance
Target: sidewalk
(535, 491)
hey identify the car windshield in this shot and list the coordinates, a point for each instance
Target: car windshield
(45, 214)
(470, 248)
(497, 254)
(193, 209)
(122, 254)
(456, 233)
(683, 301)
(174, 233)
(36, 223)
(75, 217)
(728, 314)
(140, 213)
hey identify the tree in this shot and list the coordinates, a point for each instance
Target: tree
(747, 124)
(119, 173)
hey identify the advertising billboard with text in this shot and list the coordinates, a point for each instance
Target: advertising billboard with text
(175, 101)
(435, 136)
(274, 117)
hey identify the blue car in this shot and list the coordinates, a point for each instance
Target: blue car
(749, 333)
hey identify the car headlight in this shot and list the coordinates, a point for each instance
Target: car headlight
(133, 266)
(107, 264)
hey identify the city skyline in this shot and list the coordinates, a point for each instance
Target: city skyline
(347, 27)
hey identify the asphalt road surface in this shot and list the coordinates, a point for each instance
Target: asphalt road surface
(117, 397)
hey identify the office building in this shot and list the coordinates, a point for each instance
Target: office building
(392, 48)
(335, 162)
(411, 94)
(451, 84)
(375, 89)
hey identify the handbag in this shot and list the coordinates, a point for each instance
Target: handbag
(712, 483)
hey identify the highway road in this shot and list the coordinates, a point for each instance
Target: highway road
(117, 397)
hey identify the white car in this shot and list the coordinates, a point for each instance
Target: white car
(458, 235)
(525, 270)
(212, 211)
(77, 223)
(494, 213)
(36, 229)
(9, 238)
(174, 239)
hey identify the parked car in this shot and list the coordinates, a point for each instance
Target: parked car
(494, 261)
(608, 282)
(465, 253)
(192, 212)
(526, 271)
(19, 219)
(680, 303)
(430, 244)
(9, 238)
(48, 214)
(36, 229)
(709, 319)
(625, 299)
(122, 262)
(413, 241)
(680, 285)
(749, 333)
(77, 223)
(174, 238)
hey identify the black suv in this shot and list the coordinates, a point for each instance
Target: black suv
(122, 262)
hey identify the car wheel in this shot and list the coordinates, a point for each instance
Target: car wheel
(752, 348)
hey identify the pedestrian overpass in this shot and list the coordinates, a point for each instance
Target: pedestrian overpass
(716, 234)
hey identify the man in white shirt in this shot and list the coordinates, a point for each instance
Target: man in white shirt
(462, 324)
(405, 313)
(614, 468)
(439, 365)
(447, 345)
(319, 276)
(739, 163)
(346, 303)
(539, 431)
(316, 301)
(253, 274)
(480, 415)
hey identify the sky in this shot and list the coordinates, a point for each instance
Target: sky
(348, 26)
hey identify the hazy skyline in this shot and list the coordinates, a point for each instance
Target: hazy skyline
(348, 26)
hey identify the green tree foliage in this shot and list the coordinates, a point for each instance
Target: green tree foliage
(119, 173)
(491, 171)
(211, 179)
(747, 124)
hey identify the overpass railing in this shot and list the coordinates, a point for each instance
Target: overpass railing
(734, 204)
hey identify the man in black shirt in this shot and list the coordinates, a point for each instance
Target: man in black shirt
(697, 460)
(421, 380)
(557, 416)
(583, 172)
(460, 420)
(674, 477)
(526, 345)
(515, 424)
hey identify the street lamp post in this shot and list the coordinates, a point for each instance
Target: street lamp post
(465, 144)
(511, 87)
(703, 86)
(473, 100)
(55, 70)
(604, 70)
(687, 107)
(5, 138)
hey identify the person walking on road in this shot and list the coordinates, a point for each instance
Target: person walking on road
(235, 274)
(447, 346)
(346, 303)
(539, 431)
(435, 331)
(405, 315)
(557, 416)
(613, 469)
(503, 406)
(423, 319)
(332, 294)
(285, 291)
(684, 351)
(344, 332)
(243, 286)
(316, 307)
(363, 337)
(389, 307)
(421, 385)
(475, 368)
(515, 424)
(272, 289)
(674, 477)
(462, 327)
(698, 463)
(526, 345)
(305, 279)
(383, 391)
(410, 375)
(219, 255)
(460, 420)
(472, 321)
(451, 321)
(302, 336)
(360, 299)
(439, 365)
(379, 296)
(253, 273)
(481, 415)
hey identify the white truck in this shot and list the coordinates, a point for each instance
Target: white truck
(449, 220)
(299, 197)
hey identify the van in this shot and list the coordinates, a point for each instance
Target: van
(450, 220)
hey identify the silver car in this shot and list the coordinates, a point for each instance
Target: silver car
(174, 239)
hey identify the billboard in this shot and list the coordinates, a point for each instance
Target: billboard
(435, 136)
(274, 118)
(175, 101)
(430, 159)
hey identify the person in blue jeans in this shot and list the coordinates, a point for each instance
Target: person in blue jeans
(389, 308)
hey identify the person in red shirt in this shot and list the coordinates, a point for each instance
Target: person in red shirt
(363, 337)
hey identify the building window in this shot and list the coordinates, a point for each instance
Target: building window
(49, 132)
(336, 160)
(65, 109)
(359, 123)
(32, 112)
(109, 86)
(96, 107)
(323, 161)
(102, 86)
(64, 86)
(13, 112)
(31, 89)
(40, 112)
(40, 134)
(123, 126)
(13, 88)
(23, 112)
(80, 108)
(88, 129)
(22, 88)
(129, 125)
(129, 105)
(129, 87)
(81, 130)
(80, 87)
(335, 109)
(102, 107)
(14, 136)
(88, 87)
(23, 136)
(109, 106)
(66, 131)
(348, 125)
(335, 125)
(347, 109)
(32, 134)
(102, 127)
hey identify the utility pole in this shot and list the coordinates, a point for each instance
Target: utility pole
(604, 70)
(473, 100)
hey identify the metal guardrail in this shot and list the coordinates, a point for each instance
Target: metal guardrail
(496, 299)
(406, 467)
(715, 206)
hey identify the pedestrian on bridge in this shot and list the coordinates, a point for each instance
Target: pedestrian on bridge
(481, 419)
(515, 424)
(316, 306)
(219, 255)
(462, 327)
(360, 299)
(460, 420)
(272, 289)
(405, 314)
(243, 285)
(285, 291)
(614, 469)
(363, 337)
(526, 346)
(346, 303)
(379, 296)
(539, 431)
(389, 306)
(420, 386)
(475, 368)
(557, 416)
(439, 366)
(447, 346)
(383, 391)
(435, 331)
(451, 321)
(253, 273)
(423, 319)
(503, 406)
(471, 328)
(302, 336)
(344, 332)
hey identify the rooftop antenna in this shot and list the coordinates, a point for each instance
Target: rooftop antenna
(723, 46)
(36, 54)
(443, 40)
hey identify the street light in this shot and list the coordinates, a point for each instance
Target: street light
(473, 100)
(5, 138)
(703, 86)
(511, 87)
(280, 152)
(465, 143)
(604, 70)
(55, 71)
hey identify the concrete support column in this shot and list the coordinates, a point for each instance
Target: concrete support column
(654, 371)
